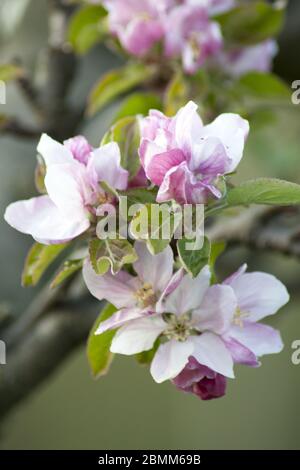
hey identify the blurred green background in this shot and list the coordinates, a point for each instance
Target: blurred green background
(126, 409)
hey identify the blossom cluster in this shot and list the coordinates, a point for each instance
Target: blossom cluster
(186, 29)
(196, 328)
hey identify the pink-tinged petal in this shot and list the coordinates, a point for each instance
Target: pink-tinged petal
(40, 218)
(217, 309)
(235, 275)
(188, 125)
(119, 289)
(210, 350)
(189, 293)
(106, 161)
(219, 6)
(259, 295)
(139, 180)
(68, 188)
(80, 148)
(240, 354)
(120, 318)
(161, 163)
(171, 286)
(140, 35)
(154, 269)
(53, 152)
(192, 373)
(233, 131)
(260, 339)
(170, 359)
(137, 335)
(148, 150)
(209, 158)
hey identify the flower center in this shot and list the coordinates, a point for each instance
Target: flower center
(145, 295)
(178, 327)
(239, 317)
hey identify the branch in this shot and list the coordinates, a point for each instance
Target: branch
(262, 228)
(43, 347)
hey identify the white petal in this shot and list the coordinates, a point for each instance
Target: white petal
(210, 351)
(232, 130)
(41, 219)
(217, 309)
(107, 163)
(154, 269)
(189, 293)
(188, 124)
(119, 290)
(53, 152)
(137, 336)
(170, 359)
(260, 339)
(259, 294)
(120, 318)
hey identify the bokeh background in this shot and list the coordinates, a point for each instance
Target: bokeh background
(126, 409)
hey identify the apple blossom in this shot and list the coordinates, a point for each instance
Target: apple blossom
(73, 174)
(201, 381)
(213, 324)
(192, 35)
(185, 158)
(237, 62)
(135, 296)
(137, 23)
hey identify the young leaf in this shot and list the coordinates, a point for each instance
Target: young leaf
(10, 72)
(98, 346)
(251, 23)
(176, 95)
(263, 85)
(127, 134)
(38, 260)
(68, 268)
(138, 103)
(193, 260)
(117, 82)
(105, 254)
(264, 191)
(88, 26)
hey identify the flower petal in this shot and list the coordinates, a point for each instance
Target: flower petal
(189, 293)
(259, 294)
(233, 131)
(120, 318)
(210, 351)
(118, 290)
(53, 152)
(260, 339)
(170, 359)
(161, 163)
(106, 161)
(137, 335)
(188, 125)
(241, 354)
(154, 269)
(171, 286)
(216, 310)
(40, 218)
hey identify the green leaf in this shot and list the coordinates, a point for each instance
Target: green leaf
(39, 175)
(145, 357)
(264, 191)
(251, 23)
(10, 72)
(155, 224)
(98, 346)
(216, 250)
(263, 85)
(127, 135)
(68, 268)
(193, 260)
(38, 260)
(105, 254)
(176, 95)
(138, 103)
(88, 26)
(117, 82)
